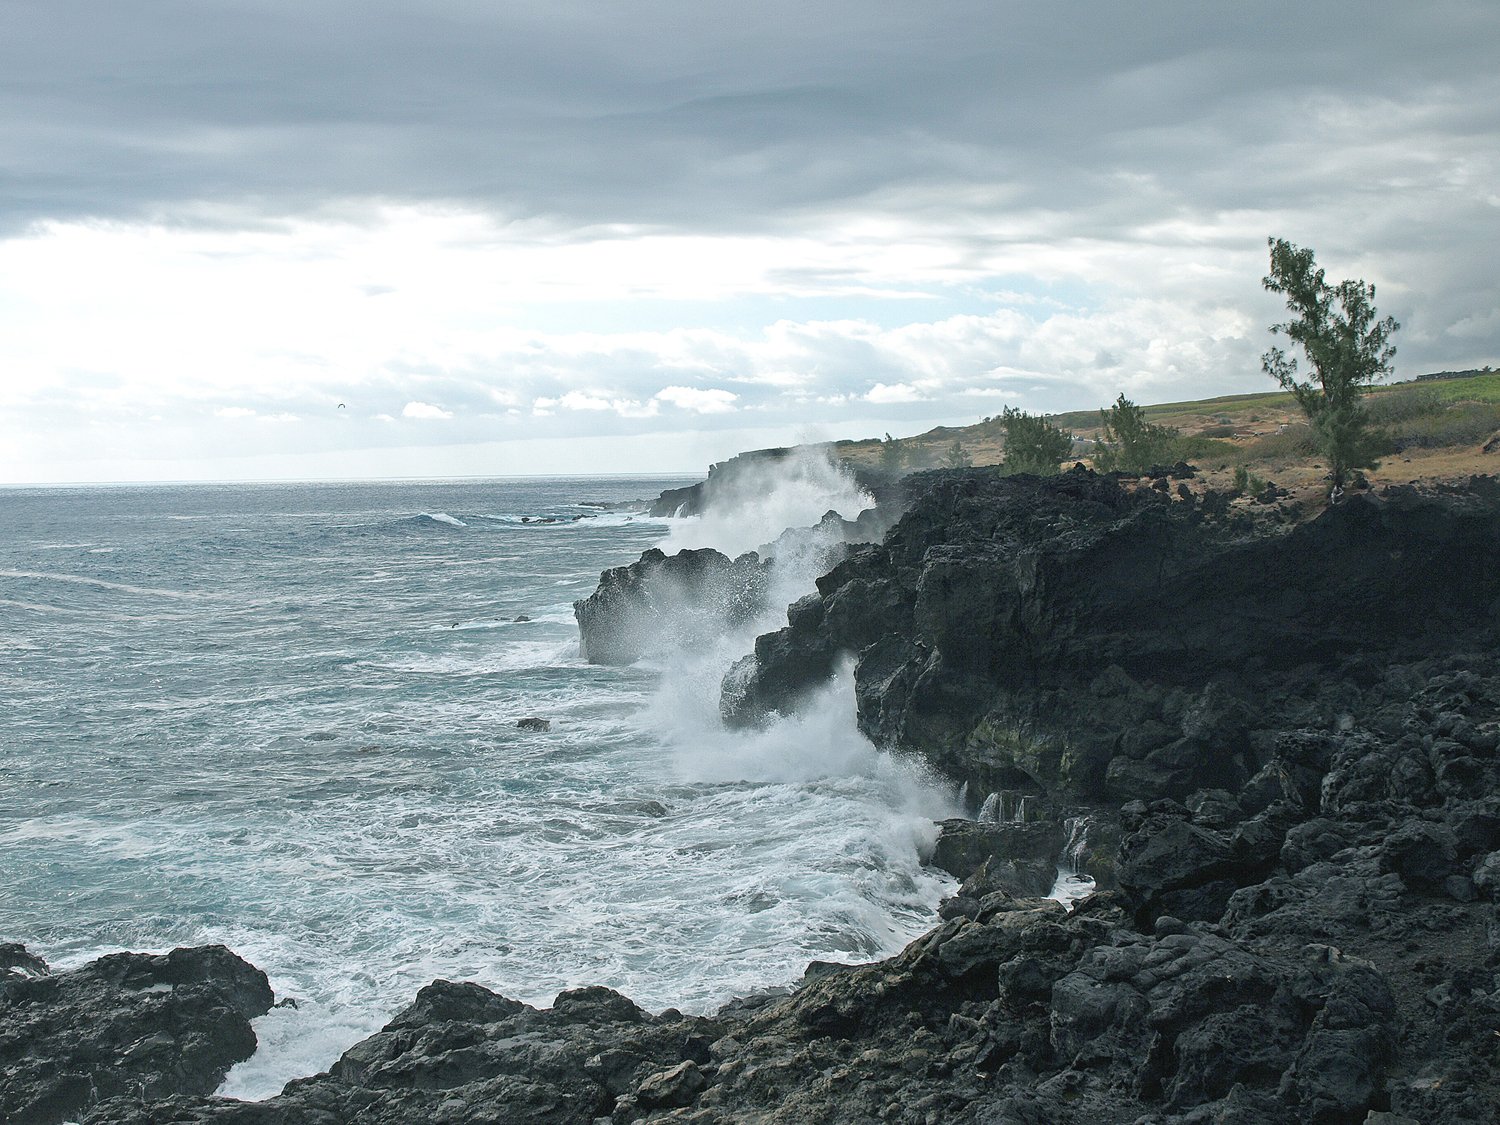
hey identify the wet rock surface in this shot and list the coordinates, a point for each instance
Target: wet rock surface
(130, 1024)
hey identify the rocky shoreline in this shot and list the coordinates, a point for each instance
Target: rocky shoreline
(1287, 735)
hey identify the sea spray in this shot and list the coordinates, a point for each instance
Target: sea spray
(311, 755)
(765, 499)
(1073, 882)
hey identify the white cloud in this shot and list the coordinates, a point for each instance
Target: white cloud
(424, 410)
(868, 224)
(577, 400)
(699, 401)
(898, 392)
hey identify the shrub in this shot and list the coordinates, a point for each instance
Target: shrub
(1463, 423)
(1403, 405)
(1247, 483)
(1033, 444)
(1198, 446)
(1130, 444)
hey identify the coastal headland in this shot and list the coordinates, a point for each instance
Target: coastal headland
(1269, 735)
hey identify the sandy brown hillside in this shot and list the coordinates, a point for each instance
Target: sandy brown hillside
(1439, 427)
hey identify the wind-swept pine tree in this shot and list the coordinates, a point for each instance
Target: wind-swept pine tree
(1347, 347)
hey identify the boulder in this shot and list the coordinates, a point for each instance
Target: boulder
(131, 1023)
(963, 846)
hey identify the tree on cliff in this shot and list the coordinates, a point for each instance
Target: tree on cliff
(1032, 443)
(956, 458)
(1346, 346)
(892, 455)
(1130, 444)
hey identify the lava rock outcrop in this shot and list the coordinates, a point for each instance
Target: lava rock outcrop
(1074, 633)
(127, 1025)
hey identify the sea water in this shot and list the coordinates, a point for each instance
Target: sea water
(283, 717)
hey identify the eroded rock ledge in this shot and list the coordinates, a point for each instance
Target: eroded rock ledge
(1076, 635)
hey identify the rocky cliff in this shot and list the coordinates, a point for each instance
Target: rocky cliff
(1077, 635)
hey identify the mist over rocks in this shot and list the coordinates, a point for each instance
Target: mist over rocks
(740, 481)
(667, 603)
(668, 599)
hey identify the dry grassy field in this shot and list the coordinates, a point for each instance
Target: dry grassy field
(1436, 429)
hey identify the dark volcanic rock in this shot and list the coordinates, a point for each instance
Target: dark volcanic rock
(668, 601)
(128, 1024)
(1306, 929)
(1115, 642)
(18, 964)
(1022, 858)
(461, 1053)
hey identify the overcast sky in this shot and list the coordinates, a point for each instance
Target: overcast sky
(568, 237)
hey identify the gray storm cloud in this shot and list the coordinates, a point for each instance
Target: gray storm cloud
(711, 118)
(1041, 204)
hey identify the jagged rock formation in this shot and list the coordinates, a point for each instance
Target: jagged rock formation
(1071, 633)
(670, 602)
(668, 599)
(130, 1024)
(1308, 956)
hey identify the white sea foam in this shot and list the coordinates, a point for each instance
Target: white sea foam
(83, 580)
(515, 656)
(443, 517)
(588, 519)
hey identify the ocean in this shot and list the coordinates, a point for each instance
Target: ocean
(282, 717)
